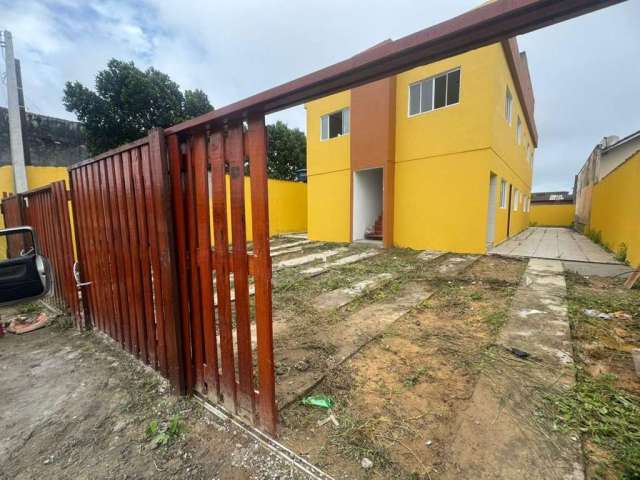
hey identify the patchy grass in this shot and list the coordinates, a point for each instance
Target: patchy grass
(495, 320)
(28, 308)
(162, 433)
(608, 417)
(604, 405)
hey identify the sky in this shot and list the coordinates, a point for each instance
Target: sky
(585, 72)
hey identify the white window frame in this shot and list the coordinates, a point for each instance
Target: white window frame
(508, 106)
(503, 193)
(518, 130)
(346, 126)
(516, 199)
(433, 92)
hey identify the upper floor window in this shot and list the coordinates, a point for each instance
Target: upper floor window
(518, 131)
(503, 194)
(434, 92)
(334, 124)
(508, 106)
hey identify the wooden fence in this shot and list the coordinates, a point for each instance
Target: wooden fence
(123, 225)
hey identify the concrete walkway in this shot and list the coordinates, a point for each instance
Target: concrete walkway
(499, 436)
(554, 243)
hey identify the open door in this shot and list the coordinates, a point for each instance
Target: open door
(25, 274)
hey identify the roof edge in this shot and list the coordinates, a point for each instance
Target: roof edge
(522, 80)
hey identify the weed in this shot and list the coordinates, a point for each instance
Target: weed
(496, 320)
(354, 439)
(162, 433)
(476, 296)
(609, 417)
(621, 254)
(414, 378)
(29, 308)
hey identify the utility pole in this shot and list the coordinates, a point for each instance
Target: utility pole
(15, 118)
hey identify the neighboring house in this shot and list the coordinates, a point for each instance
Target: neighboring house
(552, 209)
(51, 145)
(605, 157)
(439, 157)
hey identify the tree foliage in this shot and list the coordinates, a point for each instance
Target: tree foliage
(128, 102)
(287, 151)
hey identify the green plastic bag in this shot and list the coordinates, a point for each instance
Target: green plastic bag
(322, 401)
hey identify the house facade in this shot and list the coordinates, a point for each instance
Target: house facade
(439, 157)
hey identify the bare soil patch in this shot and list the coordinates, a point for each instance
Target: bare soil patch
(76, 406)
(396, 400)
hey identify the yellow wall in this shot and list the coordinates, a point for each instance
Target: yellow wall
(329, 204)
(436, 208)
(287, 207)
(328, 174)
(615, 211)
(553, 215)
(443, 161)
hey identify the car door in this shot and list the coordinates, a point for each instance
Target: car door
(25, 274)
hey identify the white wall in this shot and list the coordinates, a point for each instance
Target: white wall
(367, 200)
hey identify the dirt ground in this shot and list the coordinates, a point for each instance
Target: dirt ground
(75, 406)
(397, 397)
(400, 359)
(606, 403)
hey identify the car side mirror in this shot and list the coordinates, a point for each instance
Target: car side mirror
(25, 274)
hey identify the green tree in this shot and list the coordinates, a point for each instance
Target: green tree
(196, 103)
(287, 151)
(128, 102)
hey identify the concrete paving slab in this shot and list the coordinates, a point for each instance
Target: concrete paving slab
(554, 243)
(285, 251)
(342, 296)
(291, 244)
(589, 269)
(456, 264)
(428, 255)
(297, 261)
(314, 271)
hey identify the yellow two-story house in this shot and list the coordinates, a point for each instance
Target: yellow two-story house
(439, 157)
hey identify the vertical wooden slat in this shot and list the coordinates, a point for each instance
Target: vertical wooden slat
(102, 279)
(262, 261)
(222, 267)
(192, 239)
(92, 258)
(115, 315)
(118, 252)
(145, 262)
(178, 203)
(136, 291)
(166, 246)
(201, 176)
(235, 156)
(155, 260)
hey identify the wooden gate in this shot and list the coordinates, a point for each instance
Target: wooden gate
(46, 210)
(123, 225)
(221, 326)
